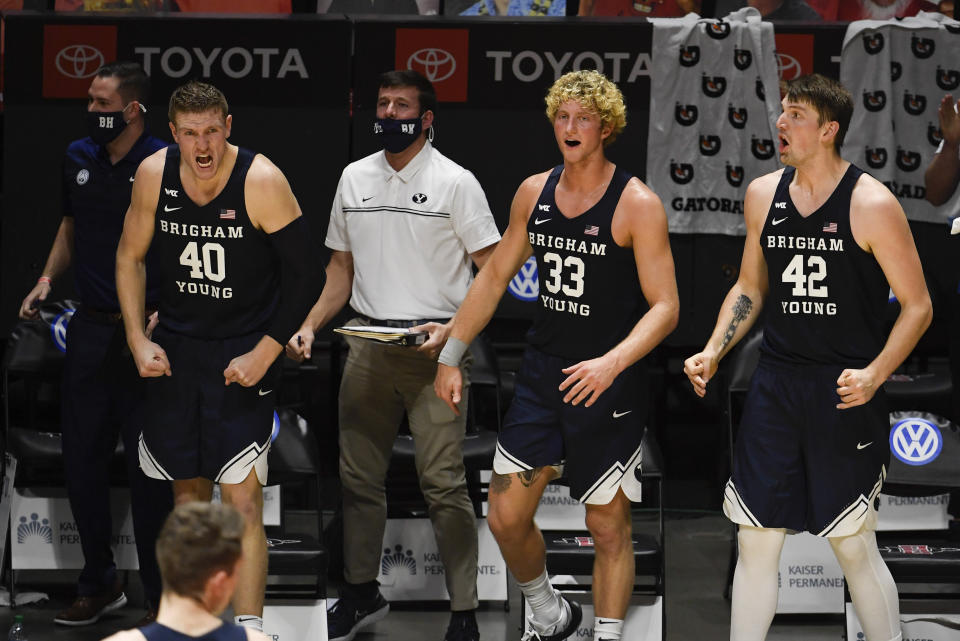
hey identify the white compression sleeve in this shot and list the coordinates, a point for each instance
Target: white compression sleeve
(754, 599)
(872, 589)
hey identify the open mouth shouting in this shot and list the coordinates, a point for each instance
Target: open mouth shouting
(204, 161)
(784, 144)
(571, 143)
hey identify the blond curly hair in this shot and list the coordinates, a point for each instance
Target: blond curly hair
(595, 92)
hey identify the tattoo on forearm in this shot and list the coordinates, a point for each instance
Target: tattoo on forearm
(741, 309)
(527, 477)
(499, 483)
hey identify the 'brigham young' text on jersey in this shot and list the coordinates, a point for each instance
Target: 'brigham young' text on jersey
(220, 277)
(590, 294)
(827, 295)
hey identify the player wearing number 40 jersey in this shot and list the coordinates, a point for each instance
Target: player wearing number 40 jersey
(237, 277)
(600, 239)
(823, 241)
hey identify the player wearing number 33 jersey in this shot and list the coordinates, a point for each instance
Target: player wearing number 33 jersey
(608, 296)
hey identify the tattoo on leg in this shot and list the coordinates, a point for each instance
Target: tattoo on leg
(741, 309)
(527, 477)
(499, 483)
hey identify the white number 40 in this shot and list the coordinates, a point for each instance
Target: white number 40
(213, 267)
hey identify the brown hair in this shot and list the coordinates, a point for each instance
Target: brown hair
(196, 97)
(829, 99)
(198, 540)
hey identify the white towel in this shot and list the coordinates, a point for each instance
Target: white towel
(714, 100)
(898, 71)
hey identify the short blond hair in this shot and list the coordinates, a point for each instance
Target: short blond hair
(596, 93)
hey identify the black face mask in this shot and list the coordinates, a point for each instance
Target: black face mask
(397, 135)
(105, 126)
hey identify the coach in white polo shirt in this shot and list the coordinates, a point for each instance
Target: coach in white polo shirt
(405, 225)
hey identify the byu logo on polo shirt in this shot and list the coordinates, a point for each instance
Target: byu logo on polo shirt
(83, 176)
(524, 285)
(916, 441)
(58, 329)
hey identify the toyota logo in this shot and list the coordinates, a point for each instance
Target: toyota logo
(79, 61)
(435, 64)
(916, 441)
(788, 67)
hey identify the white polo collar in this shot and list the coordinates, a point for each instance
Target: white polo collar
(412, 168)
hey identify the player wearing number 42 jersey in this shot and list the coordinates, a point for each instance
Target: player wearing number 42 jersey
(600, 239)
(823, 241)
(237, 277)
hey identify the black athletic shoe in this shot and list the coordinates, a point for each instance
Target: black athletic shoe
(347, 616)
(576, 616)
(463, 627)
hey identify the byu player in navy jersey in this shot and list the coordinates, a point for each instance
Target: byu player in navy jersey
(823, 240)
(199, 550)
(100, 393)
(601, 242)
(237, 277)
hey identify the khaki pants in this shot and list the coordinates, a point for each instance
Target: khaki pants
(379, 383)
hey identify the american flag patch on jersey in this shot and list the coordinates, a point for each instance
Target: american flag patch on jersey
(830, 228)
(231, 214)
(592, 230)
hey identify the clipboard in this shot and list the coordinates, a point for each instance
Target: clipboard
(388, 335)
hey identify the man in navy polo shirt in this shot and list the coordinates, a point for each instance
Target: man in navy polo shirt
(101, 389)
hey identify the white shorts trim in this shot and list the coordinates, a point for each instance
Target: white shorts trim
(237, 469)
(616, 477)
(861, 514)
(736, 508)
(150, 466)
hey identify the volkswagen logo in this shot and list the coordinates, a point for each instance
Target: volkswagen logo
(916, 441)
(524, 285)
(58, 329)
(79, 61)
(435, 64)
(788, 66)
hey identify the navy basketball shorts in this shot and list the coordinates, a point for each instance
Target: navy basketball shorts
(194, 425)
(596, 448)
(802, 464)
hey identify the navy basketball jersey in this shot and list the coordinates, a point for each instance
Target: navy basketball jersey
(220, 277)
(827, 295)
(590, 294)
(226, 632)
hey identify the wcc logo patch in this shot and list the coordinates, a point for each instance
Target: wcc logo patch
(873, 43)
(922, 47)
(875, 100)
(709, 145)
(896, 70)
(686, 115)
(742, 58)
(762, 148)
(915, 104)
(876, 157)
(737, 116)
(713, 86)
(396, 561)
(734, 175)
(681, 173)
(947, 79)
(908, 160)
(689, 56)
(916, 441)
(934, 136)
(718, 30)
